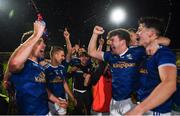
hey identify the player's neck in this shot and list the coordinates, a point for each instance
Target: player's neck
(33, 58)
(122, 50)
(54, 63)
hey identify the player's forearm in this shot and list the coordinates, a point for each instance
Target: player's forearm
(68, 91)
(69, 46)
(21, 54)
(92, 45)
(164, 41)
(69, 49)
(87, 79)
(159, 95)
(51, 97)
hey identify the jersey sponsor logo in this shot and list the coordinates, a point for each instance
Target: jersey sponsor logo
(40, 78)
(123, 65)
(57, 72)
(58, 79)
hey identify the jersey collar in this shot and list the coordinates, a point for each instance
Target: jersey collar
(123, 52)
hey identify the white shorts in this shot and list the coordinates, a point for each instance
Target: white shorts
(49, 114)
(118, 108)
(152, 113)
(55, 109)
(173, 112)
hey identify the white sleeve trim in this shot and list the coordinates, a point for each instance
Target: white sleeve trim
(103, 56)
(167, 64)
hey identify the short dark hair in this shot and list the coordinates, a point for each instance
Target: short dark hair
(153, 22)
(55, 49)
(121, 33)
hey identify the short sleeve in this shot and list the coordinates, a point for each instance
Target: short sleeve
(166, 57)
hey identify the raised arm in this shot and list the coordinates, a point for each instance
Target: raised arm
(21, 54)
(163, 41)
(154, 45)
(68, 44)
(161, 93)
(92, 50)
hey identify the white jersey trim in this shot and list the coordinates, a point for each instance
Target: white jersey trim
(167, 64)
(123, 52)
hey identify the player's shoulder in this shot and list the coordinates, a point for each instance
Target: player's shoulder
(61, 66)
(165, 50)
(136, 48)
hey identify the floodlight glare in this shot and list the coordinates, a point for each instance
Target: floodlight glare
(118, 15)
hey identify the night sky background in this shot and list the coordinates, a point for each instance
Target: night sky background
(80, 16)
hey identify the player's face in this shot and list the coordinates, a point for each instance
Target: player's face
(76, 47)
(84, 60)
(39, 49)
(145, 35)
(59, 56)
(133, 36)
(115, 43)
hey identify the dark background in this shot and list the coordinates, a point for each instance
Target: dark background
(80, 16)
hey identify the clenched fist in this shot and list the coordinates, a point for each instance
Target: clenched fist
(98, 30)
(39, 27)
(66, 34)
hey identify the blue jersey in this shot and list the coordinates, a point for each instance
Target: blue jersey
(66, 65)
(30, 87)
(149, 76)
(55, 76)
(124, 70)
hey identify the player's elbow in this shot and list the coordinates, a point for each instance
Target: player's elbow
(14, 66)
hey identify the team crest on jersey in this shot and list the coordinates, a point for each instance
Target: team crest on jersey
(129, 56)
(57, 72)
(58, 79)
(40, 78)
